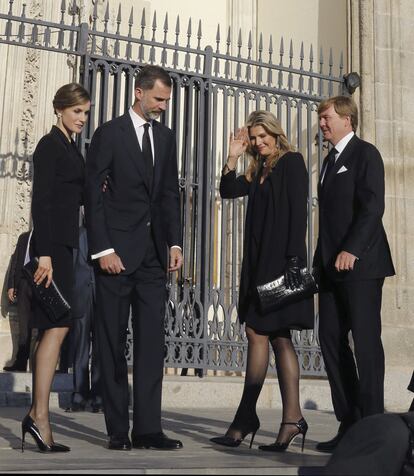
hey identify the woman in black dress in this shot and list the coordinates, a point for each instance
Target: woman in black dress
(58, 184)
(276, 182)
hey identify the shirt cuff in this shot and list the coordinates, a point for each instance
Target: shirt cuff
(176, 246)
(103, 253)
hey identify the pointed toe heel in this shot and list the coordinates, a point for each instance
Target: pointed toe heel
(29, 426)
(279, 447)
(231, 442)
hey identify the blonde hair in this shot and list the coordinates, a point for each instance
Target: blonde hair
(344, 106)
(272, 126)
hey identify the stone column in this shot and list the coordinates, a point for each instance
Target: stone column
(381, 50)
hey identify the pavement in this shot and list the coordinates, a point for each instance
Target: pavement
(85, 433)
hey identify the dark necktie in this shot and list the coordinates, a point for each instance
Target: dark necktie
(147, 153)
(330, 164)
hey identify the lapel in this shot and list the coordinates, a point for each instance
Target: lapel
(132, 145)
(344, 156)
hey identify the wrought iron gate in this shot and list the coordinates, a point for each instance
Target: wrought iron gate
(213, 93)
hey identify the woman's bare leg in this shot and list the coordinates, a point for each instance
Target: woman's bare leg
(45, 361)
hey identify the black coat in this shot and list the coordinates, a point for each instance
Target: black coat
(17, 261)
(285, 231)
(58, 183)
(123, 216)
(351, 206)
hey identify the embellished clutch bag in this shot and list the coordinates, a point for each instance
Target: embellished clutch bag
(51, 299)
(275, 294)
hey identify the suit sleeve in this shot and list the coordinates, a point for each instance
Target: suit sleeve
(171, 199)
(369, 206)
(297, 191)
(44, 173)
(11, 277)
(232, 186)
(98, 165)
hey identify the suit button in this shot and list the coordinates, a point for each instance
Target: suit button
(148, 223)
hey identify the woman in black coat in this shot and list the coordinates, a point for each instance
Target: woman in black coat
(276, 182)
(58, 184)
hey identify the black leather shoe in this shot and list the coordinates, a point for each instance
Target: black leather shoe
(96, 408)
(16, 367)
(158, 441)
(330, 445)
(76, 407)
(121, 443)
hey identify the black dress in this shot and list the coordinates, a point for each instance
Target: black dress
(275, 229)
(58, 183)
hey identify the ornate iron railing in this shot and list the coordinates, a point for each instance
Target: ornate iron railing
(213, 93)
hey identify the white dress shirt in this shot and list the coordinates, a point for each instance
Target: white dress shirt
(138, 123)
(340, 146)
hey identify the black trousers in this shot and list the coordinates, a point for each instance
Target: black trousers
(356, 379)
(83, 348)
(146, 289)
(24, 312)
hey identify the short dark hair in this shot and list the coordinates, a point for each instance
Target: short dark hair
(149, 74)
(344, 106)
(70, 95)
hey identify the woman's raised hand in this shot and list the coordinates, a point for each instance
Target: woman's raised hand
(238, 143)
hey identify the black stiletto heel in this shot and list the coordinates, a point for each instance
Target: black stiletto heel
(278, 447)
(235, 442)
(29, 426)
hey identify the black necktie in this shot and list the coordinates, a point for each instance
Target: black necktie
(330, 164)
(147, 153)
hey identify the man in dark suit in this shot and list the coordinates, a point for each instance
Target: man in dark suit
(20, 291)
(352, 258)
(82, 336)
(134, 234)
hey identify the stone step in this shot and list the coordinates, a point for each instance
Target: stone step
(211, 391)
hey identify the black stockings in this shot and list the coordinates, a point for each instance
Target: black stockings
(288, 375)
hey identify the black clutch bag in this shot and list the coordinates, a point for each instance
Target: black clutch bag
(276, 294)
(51, 299)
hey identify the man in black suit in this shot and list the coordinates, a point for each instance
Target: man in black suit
(20, 291)
(352, 258)
(82, 336)
(134, 233)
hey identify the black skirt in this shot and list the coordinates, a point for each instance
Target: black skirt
(62, 264)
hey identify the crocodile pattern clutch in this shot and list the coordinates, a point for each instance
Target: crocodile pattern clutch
(51, 299)
(276, 294)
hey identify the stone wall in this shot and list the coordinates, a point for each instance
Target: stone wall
(382, 52)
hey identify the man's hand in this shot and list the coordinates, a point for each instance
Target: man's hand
(11, 295)
(44, 271)
(176, 259)
(111, 264)
(345, 261)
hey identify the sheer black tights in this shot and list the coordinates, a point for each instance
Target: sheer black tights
(288, 376)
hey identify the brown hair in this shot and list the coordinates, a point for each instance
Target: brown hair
(272, 126)
(70, 95)
(344, 106)
(149, 74)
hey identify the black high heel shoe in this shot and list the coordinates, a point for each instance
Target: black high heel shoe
(29, 426)
(277, 447)
(235, 442)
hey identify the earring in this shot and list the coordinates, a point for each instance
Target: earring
(59, 115)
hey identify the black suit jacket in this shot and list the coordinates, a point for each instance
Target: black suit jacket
(351, 206)
(17, 261)
(124, 215)
(58, 183)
